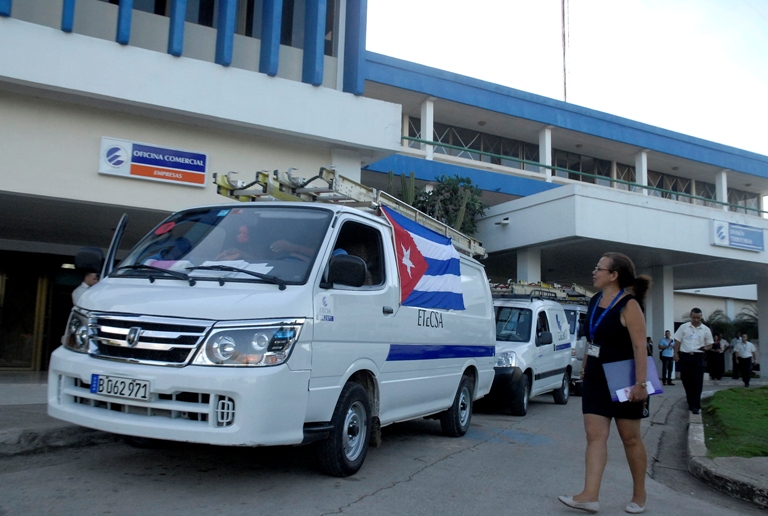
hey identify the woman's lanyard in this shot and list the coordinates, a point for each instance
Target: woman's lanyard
(592, 326)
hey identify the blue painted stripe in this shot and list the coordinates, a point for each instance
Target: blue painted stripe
(5, 8)
(124, 14)
(354, 47)
(428, 170)
(562, 346)
(314, 42)
(402, 352)
(225, 32)
(176, 29)
(271, 19)
(512, 102)
(68, 15)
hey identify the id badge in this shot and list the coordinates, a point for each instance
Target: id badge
(593, 350)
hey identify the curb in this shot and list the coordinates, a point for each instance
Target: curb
(21, 441)
(706, 470)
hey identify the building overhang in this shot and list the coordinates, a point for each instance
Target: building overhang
(574, 225)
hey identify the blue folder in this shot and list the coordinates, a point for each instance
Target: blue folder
(621, 374)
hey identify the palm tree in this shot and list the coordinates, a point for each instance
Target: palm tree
(718, 322)
(746, 321)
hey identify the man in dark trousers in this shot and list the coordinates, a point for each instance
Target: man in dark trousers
(692, 339)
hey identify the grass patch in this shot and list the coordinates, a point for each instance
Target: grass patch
(736, 423)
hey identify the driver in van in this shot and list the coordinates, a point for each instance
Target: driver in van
(237, 252)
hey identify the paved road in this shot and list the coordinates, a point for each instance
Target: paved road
(504, 465)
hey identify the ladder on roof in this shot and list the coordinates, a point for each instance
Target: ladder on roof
(337, 189)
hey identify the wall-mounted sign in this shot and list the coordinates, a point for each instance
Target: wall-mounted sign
(144, 161)
(737, 236)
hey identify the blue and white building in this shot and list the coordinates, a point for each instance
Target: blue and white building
(111, 107)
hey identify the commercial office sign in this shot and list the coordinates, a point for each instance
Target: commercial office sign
(144, 161)
(737, 236)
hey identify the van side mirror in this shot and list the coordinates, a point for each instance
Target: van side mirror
(89, 259)
(544, 337)
(347, 270)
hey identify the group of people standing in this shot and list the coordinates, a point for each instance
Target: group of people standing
(698, 349)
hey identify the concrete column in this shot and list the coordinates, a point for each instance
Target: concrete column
(427, 129)
(721, 187)
(660, 308)
(762, 325)
(641, 170)
(545, 150)
(347, 163)
(529, 265)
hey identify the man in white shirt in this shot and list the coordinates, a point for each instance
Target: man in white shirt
(90, 279)
(746, 355)
(692, 339)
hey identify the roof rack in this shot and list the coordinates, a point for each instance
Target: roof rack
(535, 294)
(336, 189)
(574, 294)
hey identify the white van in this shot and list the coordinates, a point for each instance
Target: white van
(277, 323)
(533, 351)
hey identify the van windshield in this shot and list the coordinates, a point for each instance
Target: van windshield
(281, 243)
(513, 324)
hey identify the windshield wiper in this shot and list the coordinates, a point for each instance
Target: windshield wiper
(266, 277)
(167, 272)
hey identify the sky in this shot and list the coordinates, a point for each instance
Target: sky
(698, 67)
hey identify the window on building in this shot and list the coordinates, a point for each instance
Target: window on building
(568, 161)
(745, 199)
(531, 153)
(624, 173)
(655, 180)
(677, 184)
(414, 131)
(584, 165)
(513, 149)
(707, 191)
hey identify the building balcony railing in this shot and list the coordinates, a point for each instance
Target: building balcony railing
(635, 187)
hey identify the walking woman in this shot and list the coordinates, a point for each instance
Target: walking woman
(616, 331)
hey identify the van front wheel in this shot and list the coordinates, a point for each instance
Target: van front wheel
(454, 422)
(343, 453)
(519, 403)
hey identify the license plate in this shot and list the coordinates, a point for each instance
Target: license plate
(120, 387)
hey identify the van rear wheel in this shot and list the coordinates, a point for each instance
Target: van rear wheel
(454, 422)
(561, 395)
(343, 452)
(519, 403)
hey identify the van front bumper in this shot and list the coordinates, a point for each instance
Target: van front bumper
(235, 406)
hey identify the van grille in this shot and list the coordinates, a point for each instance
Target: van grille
(144, 339)
(195, 408)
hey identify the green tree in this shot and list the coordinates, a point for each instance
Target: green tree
(746, 321)
(454, 201)
(718, 322)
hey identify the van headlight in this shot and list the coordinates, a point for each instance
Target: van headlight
(76, 335)
(506, 359)
(248, 346)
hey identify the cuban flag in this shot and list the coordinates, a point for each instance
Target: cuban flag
(428, 264)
